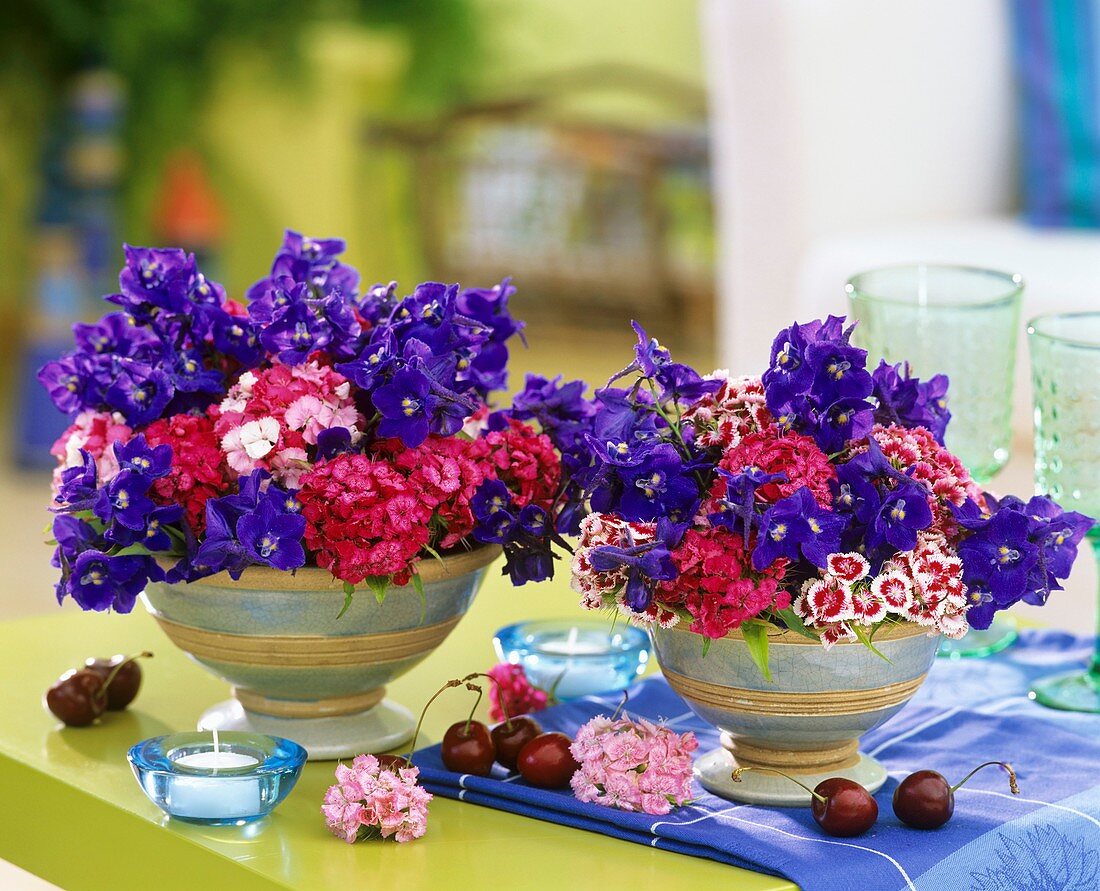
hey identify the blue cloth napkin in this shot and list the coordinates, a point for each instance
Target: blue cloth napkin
(969, 711)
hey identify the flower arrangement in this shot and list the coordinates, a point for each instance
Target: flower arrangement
(633, 765)
(312, 424)
(818, 497)
(374, 800)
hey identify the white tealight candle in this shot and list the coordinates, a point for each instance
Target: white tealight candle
(575, 676)
(215, 797)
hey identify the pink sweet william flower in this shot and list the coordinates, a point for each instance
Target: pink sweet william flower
(633, 765)
(371, 800)
(513, 693)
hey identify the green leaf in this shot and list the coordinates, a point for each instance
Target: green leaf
(131, 551)
(433, 552)
(707, 641)
(865, 639)
(793, 621)
(418, 584)
(349, 593)
(378, 584)
(756, 638)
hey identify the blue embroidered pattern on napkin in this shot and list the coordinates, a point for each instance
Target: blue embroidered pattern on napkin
(1046, 839)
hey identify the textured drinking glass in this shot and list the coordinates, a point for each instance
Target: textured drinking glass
(963, 322)
(1065, 376)
(953, 320)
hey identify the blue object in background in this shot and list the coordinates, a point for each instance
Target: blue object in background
(969, 711)
(575, 657)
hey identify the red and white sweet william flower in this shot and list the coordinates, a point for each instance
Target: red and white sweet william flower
(848, 567)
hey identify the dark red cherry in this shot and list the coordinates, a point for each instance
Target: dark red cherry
(925, 800)
(77, 699)
(843, 807)
(511, 736)
(468, 748)
(546, 761)
(121, 676)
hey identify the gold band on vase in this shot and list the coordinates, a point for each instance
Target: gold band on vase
(777, 703)
(306, 650)
(822, 759)
(314, 708)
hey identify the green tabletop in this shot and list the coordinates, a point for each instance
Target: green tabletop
(71, 812)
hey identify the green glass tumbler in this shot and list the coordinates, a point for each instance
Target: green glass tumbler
(1065, 376)
(963, 322)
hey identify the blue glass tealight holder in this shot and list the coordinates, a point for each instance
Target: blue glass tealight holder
(237, 779)
(581, 656)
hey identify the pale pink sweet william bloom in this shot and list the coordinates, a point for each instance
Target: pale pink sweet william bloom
(369, 799)
(633, 765)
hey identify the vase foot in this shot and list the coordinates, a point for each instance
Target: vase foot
(714, 772)
(378, 729)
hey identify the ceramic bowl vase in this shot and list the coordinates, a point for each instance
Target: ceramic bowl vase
(807, 720)
(299, 672)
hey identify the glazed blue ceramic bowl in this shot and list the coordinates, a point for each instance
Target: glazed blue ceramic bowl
(217, 796)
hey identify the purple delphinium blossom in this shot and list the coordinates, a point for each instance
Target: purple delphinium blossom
(66, 380)
(909, 402)
(1016, 551)
(140, 393)
(658, 485)
(115, 334)
(98, 581)
(645, 564)
(1000, 554)
(136, 455)
(405, 405)
(333, 441)
(189, 374)
(123, 500)
(374, 363)
(902, 513)
(560, 409)
(239, 339)
(526, 534)
(295, 333)
(78, 484)
(794, 526)
(311, 261)
(158, 277)
(738, 507)
(818, 384)
(273, 538)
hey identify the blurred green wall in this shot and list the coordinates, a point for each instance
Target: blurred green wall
(292, 154)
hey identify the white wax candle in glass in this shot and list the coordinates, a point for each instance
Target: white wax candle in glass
(214, 796)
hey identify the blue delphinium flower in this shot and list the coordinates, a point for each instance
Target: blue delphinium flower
(140, 393)
(123, 500)
(645, 564)
(98, 581)
(272, 537)
(526, 534)
(137, 456)
(312, 261)
(818, 384)
(1016, 551)
(255, 525)
(905, 400)
(902, 513)
(738, 507)
(658, 485)
(78, 486)
(797, 526)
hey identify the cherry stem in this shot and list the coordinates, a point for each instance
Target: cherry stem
(455, 682)
(144, 654)
(621, 705)
(500, 695)
(1008, 767)
(736, 777)
(477, 702)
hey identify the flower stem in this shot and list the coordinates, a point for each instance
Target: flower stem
(1015, 789)
(736, 777)
(621, 705)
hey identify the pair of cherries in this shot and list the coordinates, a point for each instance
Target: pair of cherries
(469, 746)
(923, 800)
(80, 696)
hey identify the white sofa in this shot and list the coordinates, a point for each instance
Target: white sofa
(854, 133)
